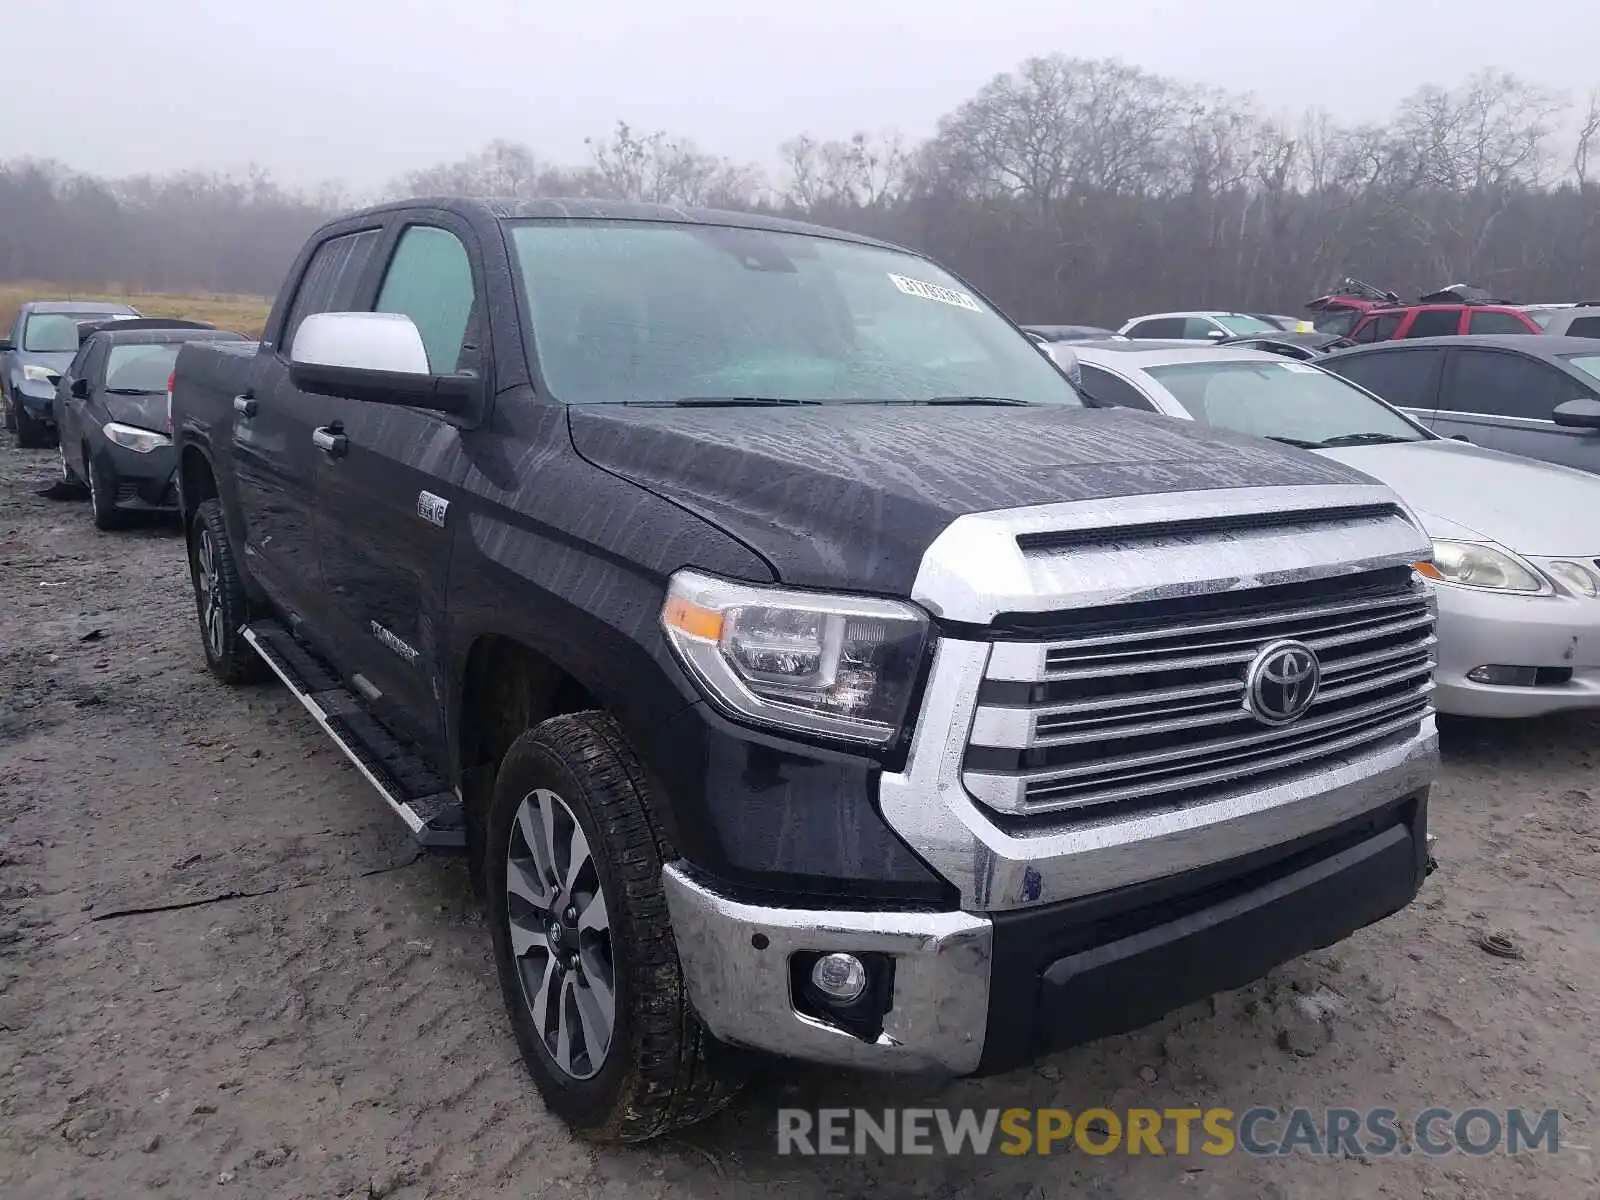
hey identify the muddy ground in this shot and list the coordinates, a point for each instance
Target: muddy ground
(224, 970)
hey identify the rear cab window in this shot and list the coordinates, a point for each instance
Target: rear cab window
(1434, 322)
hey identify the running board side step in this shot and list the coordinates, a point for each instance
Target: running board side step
(426, 803)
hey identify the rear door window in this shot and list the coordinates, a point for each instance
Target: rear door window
(1435, 322)
(1106, 388)
(1158, 327)
(331, 279)
(1584, 327)
(1405, 378)
(1495, 322)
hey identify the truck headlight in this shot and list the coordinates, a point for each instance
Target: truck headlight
(34, 373)
(1474, 564)
(829, 665)
(141, 441)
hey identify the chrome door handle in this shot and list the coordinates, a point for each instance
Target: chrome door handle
(245, 405)
(330, 442)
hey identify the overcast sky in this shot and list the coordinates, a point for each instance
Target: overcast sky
(362, 92)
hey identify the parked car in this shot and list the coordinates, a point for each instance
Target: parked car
(1446, 319)
(1066, 333)
(111, 414)
(1534, 396)
(1195, 326)
(44, 337)
(1303, 346)
(1339, 310)
(804, 667)
(1540, 314)
(1287, 324)
(1516, 543)
(1570, 320)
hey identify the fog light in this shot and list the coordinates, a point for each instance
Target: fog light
(1500, 676)
(839, 977)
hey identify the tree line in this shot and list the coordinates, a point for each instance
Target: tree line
(1067, 190)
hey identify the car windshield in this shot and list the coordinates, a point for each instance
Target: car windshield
(663, 312)
(1234, 323)
(57, 333)
(140, 368)
(1290, 402)
(1589, 364)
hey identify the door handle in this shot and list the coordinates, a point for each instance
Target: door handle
(1460, 437)
(330, 441)
(245, 405)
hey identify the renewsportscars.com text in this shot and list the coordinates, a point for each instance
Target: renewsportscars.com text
(1330, 1132)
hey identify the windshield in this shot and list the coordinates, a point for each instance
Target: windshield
(1234, 323)
(1287, 401)
(659, 312)
(57, 333)
(1589, 364)
(140, 368)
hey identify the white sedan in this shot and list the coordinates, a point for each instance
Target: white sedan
(1516, 542)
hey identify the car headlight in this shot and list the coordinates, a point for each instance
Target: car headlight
(34, 373)
(834, 666)
(1576, 576)
(1474, 564)
(141, 441)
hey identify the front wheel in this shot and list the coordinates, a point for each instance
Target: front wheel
(31, 433)
(102, 494)
(220, 600)
(588, 967)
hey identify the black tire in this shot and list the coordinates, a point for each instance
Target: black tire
(102, 495)
(656, 1075)
(214, 573)
(31, 433)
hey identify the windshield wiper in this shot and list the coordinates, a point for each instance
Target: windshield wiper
(135, 391)
(720, 402)
(1364, 439)
(1301, 443)
(1002, 400)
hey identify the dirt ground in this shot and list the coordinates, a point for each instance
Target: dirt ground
(224, 969)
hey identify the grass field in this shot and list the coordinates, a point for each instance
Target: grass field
(246, 314)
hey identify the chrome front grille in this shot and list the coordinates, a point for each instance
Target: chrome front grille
(1145, 704)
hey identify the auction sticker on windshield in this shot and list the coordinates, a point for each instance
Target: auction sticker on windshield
(932, 291)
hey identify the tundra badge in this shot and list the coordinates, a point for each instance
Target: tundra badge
(432, 508)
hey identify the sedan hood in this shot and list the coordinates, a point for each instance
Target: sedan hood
(142, 412)
(850, 496)
(1465, 491)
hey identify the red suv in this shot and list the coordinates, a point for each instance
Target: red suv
(1439, 320)
(1364, 314)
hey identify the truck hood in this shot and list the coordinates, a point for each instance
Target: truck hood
(850, 496)
(1468, 492)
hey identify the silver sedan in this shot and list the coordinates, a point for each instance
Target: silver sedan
(1516, 542)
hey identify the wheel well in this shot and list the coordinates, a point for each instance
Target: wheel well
(507, 689)
(198, 483)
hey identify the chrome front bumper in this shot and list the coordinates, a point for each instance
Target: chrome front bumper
(735, 960)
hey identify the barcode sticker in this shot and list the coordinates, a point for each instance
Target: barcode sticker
(932, 291)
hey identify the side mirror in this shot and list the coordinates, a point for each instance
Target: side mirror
(375, 357)
(80, 389)
(1067, 360)
(6, 344)
(1215, 334)
(1578, 414)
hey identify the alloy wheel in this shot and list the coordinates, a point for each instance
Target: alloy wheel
(561, 934)
(208, 593)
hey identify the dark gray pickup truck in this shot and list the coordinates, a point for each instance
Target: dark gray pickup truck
(803, 666)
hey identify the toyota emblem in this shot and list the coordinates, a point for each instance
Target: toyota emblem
(1281, 682)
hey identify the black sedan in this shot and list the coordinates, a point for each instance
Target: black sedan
(111, 410)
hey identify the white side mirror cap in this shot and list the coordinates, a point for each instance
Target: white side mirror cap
(361, 340)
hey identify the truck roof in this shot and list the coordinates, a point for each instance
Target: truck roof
(557, 208)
